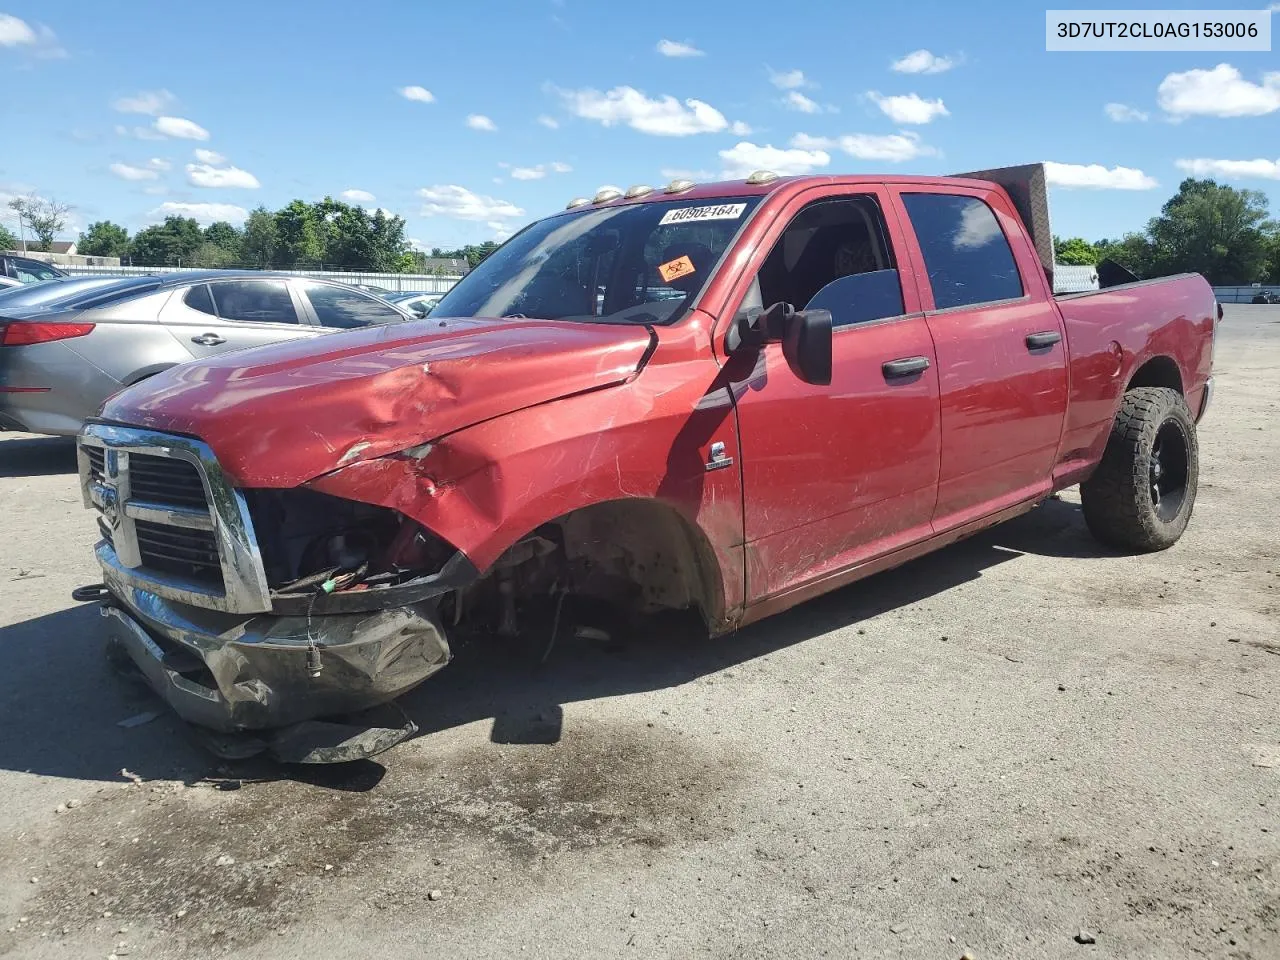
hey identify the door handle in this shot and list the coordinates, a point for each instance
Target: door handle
(1038, 341)
(208, 340)
(906, 367)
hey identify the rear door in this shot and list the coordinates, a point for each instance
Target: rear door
(211, 318)
(1000, 347)
(835, 475)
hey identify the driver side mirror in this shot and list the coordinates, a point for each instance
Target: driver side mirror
(805, 336)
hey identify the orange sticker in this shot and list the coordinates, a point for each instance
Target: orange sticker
(674, 269)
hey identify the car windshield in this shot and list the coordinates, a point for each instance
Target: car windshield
(638, 263)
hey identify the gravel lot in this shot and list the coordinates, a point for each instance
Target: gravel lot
(993, 750)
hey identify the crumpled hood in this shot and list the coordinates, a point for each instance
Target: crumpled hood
(280, 415)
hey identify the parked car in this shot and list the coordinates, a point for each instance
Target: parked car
(1266, 296)
(66, 347)
(415, 301)
(786, 385)
(15, 271)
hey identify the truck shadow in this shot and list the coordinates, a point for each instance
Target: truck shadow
(63, 705)
(37, 456)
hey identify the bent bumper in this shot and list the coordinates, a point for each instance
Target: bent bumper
(232, 673)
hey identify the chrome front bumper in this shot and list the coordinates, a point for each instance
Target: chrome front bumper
(230, 673)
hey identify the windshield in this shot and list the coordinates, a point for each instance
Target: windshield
(643, 263)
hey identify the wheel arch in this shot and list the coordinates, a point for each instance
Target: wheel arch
(1158, 371)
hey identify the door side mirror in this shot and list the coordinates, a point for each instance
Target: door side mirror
(806, 343)
(805, 336)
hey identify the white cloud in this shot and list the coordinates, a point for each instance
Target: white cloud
(1097, 177)
(451, 200)
(909, 108)
(140, 133)
(1220, 92)
(672, 48)
(664, 116)
(15, 32)
(150, 102)
(795, 100)
(203, 212)
(922, 61)
(500, 230)
(551, 123)
(181, 128)
(419, 94)
(207, 175)
(358, 196)
(977, 228)
(788, 79)
(740, 129)
(158, 163)
(478, 121)
(559, 167)
(745, 157)
(528, 173)
(1123, 113)
(210, 156)
(126, 171)
(892, 148)
(1232, 169)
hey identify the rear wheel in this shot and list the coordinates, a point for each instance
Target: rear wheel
(1142, 494)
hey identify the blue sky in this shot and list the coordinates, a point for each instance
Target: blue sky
(469, 119)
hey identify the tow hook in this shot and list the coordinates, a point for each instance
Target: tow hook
(92, 593)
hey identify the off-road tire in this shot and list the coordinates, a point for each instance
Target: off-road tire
(1124, 504)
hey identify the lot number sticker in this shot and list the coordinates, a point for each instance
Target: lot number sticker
(719, 211)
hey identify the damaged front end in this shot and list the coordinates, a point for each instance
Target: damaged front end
(269, 619)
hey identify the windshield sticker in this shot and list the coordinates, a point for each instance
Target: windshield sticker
(719, 211)
(675, 269)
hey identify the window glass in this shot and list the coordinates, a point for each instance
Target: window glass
(634, 263)
(256, 301)
(345, 308)
(197, 298)
(32, 271)
(835, 256)
(965, 251)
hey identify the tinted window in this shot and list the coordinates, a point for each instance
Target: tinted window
(258, 301)
(197, 298)
(344, 308)
(965, 251)
(30, 271)
(835, 256)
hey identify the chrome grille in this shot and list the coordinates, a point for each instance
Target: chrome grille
(171, 522)
(180, 551)
(164, 480)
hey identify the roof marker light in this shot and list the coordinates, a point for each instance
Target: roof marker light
(605, 194)
(678, 186)
(577, 202)
(762, 176)
(638, 190)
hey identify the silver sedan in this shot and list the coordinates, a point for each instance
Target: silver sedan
(67, 345)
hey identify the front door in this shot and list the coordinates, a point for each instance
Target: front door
(835, 475)
(211, 318)
(1001, 352)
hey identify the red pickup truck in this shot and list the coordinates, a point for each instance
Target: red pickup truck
(726, 398)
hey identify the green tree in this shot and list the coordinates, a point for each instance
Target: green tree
(260, 238)
(46, 218)
(224, 236)
(298, 236)
(1074, 251)
(1273, 259)
(1134, 252)
(1212, 229)
(104, 239)
(172, 243)
(7, 239)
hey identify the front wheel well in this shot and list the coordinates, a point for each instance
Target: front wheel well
(1159, 371)
(641, 556)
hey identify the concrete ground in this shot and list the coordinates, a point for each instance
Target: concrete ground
(1012, 742)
